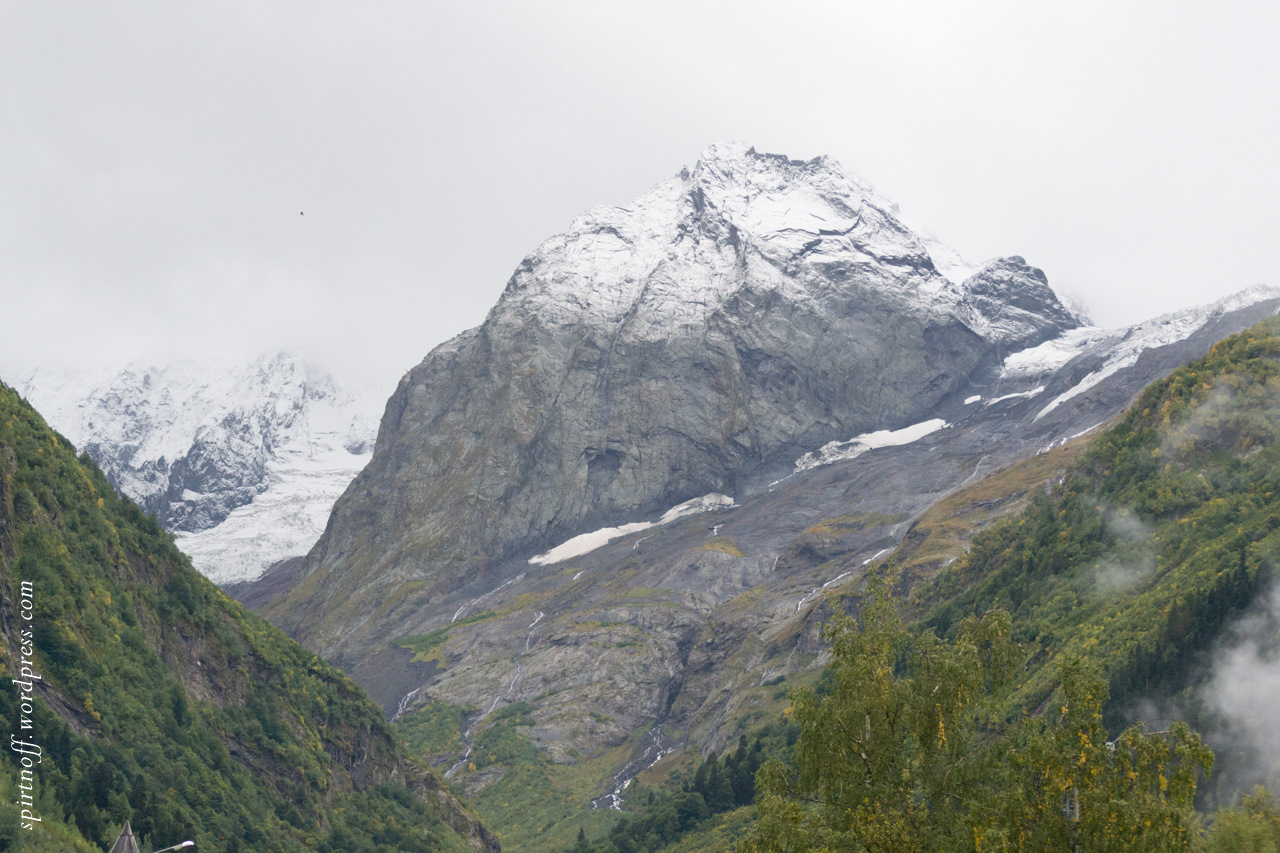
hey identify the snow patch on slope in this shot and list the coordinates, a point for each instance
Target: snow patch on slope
(587, 542)
(947, 260)
(1017, 395)
(842, 451)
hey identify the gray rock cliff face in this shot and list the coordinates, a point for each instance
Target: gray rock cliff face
(698, 340)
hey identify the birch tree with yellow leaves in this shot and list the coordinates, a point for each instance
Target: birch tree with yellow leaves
(908, 749)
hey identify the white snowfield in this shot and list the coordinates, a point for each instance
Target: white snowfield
(303, 484)
(1049, 356)
(274, 426)
(841, 451)
(585, 543)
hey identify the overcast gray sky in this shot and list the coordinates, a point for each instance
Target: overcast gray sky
(155, 156)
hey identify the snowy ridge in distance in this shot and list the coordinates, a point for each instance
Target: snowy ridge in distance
(1124, 346)
(242, 462)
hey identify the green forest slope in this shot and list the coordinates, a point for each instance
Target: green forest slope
(160, 700)
(1165, 531)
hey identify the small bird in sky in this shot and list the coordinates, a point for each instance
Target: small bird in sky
(300, 213)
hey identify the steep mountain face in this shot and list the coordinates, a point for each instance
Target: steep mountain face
(242, 463)
(606, 523)
(696, 341)
(151, 696)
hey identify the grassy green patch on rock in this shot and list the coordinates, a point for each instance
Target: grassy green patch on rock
(723, 544)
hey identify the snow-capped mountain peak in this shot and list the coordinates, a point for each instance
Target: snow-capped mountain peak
(740, 219)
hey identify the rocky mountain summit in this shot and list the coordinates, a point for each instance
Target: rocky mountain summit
(242, 462)
(622, 506)
(696, 341)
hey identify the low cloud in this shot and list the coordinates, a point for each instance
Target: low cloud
(1123, 577)
(1132, 562)
(1243, 691)
(1127, 527)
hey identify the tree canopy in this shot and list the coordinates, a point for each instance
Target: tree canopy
(908, 750)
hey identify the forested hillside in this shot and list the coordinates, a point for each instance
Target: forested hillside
(160, 700)
(1167, 529)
